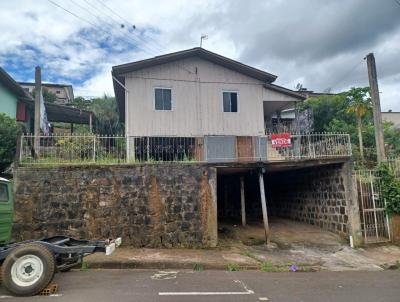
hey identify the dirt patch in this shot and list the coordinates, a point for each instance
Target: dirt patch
(285, 234)
(305, 246)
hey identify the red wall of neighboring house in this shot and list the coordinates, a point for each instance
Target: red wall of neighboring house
(21, 112)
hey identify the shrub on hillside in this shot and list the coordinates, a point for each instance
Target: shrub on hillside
(9, 131)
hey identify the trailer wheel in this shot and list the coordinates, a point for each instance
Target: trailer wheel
(28, 269)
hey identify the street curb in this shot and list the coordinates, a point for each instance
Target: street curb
(162, 265)
(179, 265)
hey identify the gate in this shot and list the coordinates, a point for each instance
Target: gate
(374, 219)
(220, 148)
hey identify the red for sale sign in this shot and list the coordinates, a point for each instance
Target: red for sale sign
(281, 140)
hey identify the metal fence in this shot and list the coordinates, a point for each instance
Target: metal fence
(374, 219)
(89, 148)
(79, 148)
(312, 146)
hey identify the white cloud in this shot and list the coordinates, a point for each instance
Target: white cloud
(304, 41)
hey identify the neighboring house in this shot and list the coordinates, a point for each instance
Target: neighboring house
(14, 99)
(197, 93)
(64, 93)
(17, 103)
(393, 117)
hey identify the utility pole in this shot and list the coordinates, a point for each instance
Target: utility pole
(376, 107)
(38, 86)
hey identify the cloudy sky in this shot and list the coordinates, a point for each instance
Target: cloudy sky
(320, 44)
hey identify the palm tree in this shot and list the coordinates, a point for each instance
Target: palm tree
(359, 102)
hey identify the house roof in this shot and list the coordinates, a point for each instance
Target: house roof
(119, 71)
(198, 52)
(46, 84)
(285, 91)
(63, 114)
(13, 86)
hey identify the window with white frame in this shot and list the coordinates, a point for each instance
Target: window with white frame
(230, 101)
(162, 99)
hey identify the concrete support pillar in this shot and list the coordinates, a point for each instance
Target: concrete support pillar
(130, 149)
(242, 201)
(353, 211)
(264, 207)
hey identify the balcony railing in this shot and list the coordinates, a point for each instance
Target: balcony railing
(89, 148)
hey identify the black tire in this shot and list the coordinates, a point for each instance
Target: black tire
(28, 269)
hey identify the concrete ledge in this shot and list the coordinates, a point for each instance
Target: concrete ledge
(127, 258)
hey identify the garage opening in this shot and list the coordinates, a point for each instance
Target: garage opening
(303, 204)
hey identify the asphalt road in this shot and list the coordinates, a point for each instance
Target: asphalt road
(146, 286)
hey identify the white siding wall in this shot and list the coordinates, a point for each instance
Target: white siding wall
(197, 110)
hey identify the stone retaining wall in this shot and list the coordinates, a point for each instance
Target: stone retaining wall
(166, 205)
(314, 195)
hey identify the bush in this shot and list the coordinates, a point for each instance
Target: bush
(9, 132)
(390, 186)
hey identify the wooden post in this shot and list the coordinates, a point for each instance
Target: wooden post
(242, 201)
(264, 206)
(72, 128)
(376, 107)
(38, 86)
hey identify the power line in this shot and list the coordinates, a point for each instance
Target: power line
(137, 39)
(150, 51)
(346, 74)
(86, 21)
(68, 11)
(160, 47)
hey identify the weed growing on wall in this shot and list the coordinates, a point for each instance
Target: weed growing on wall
(390, 186)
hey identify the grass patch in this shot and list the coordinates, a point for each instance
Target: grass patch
(84, 266)
(267, 266)
(198, 267)
(234, 267)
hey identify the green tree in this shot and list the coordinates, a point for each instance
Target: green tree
(106, 115)
(9, 132)
(80, 103)
(331, 114)
(359, 103)
(48, 96)
(392, 138)
(325, 109)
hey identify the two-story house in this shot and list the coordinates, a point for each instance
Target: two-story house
(64, 93)
(210, 106)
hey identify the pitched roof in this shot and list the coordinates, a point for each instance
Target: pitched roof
(284, 90)
(45, 84)
(199, 52)
(13, 86)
